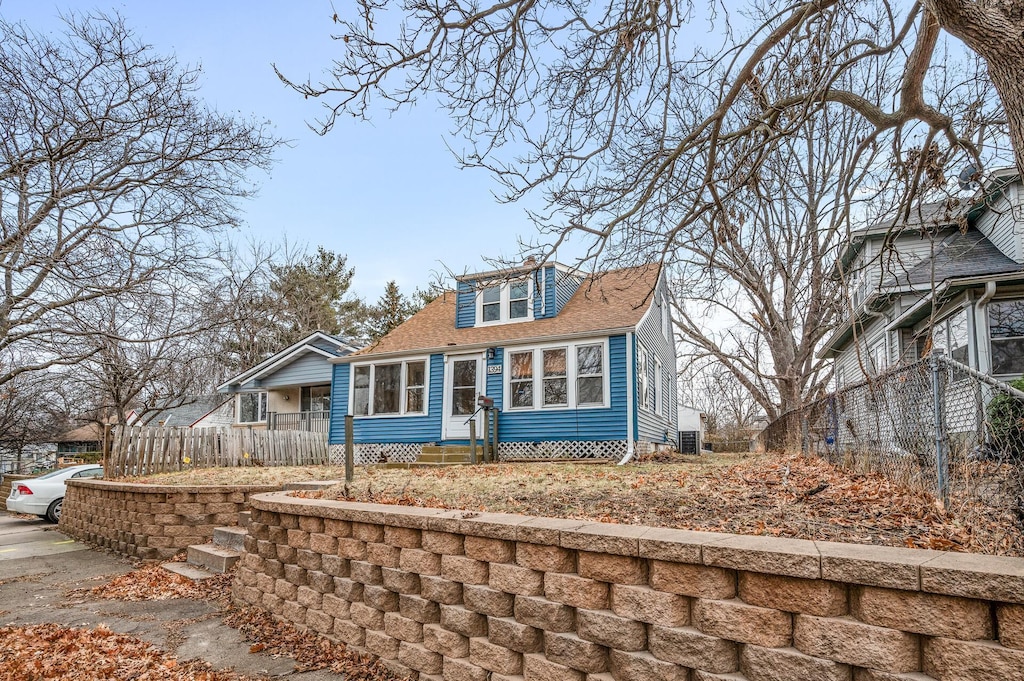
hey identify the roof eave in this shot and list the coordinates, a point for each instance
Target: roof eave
(348, 359)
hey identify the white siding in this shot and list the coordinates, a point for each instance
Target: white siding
(998, 225)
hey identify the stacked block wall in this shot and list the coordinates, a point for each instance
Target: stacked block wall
(453, 596)
(150, 522)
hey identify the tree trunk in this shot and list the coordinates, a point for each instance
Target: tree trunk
(995, 30)
(1007, 74)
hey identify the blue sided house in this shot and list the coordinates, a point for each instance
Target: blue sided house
(577, 365)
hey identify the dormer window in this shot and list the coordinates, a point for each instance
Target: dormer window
(491, 298)
(505, 302)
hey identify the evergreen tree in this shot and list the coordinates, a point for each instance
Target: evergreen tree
(313, 294)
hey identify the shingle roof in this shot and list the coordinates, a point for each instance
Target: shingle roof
(186, 414)
(608, 300)
(951, 211)
(962, 254)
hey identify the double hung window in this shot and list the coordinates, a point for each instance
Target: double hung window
(389, 388)
(252, 407)
(557, 377)
(1006, 334)
(505, 302)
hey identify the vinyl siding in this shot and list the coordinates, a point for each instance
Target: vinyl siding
(465, 314)
(544, 306)
(848, 361)
(998, 225)
(389, 428)
(654, 426)
(494, 382)
(309, 369)
(607, 423)
(565, 286)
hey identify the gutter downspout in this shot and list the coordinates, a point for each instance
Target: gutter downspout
(981, 329)
(630, 388)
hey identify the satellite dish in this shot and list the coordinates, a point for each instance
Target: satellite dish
(969, 177)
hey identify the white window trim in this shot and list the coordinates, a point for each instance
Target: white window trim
(571, 377)
(659, 397)
(504, 302)
(401, 390)
(264, 407)
(643, 357)
(988, 333)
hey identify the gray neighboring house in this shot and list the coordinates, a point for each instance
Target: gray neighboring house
(291, 390)
(201, 411)
(959, 263)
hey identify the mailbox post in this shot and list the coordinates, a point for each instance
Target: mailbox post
(486, 404)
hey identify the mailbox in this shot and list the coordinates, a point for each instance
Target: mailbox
(485, 402)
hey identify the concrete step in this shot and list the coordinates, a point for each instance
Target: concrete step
(192, 572)
(244, 517)
(230, 537)
(212, 557)
(445, 457)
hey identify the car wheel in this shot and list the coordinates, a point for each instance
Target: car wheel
(53, 513)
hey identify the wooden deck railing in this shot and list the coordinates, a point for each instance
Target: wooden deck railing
(313, 421)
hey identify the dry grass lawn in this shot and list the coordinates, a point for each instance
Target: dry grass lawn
(757, 495)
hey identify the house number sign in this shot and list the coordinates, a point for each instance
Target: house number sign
(493, 369)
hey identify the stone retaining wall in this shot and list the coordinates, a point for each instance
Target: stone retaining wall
(470, 597)
(151, 522)
(8, 480)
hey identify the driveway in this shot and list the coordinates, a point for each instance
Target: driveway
(31, 537)
(42, 577)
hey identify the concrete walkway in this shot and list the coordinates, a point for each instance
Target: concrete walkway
(40, 569)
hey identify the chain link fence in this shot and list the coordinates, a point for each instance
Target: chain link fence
(935, 424)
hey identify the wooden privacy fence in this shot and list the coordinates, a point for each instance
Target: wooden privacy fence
(144, 450)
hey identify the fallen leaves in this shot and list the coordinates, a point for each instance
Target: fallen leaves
(310, 651)
(774, 496)
(52, 651)
(153, 583)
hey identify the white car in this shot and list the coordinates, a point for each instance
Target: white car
(44, 496)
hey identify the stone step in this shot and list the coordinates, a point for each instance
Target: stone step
(244, 518)
(230, 537)
(193, 572)
(212, 557)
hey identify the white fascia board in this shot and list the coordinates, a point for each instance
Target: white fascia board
(469, 347)
(275, 360)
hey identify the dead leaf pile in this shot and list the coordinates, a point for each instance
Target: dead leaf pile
(51, 651)
(776, 496)
(310, 651)
(153, 583)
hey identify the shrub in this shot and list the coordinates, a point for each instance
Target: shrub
(1005, 415)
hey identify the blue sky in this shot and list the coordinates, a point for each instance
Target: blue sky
(387, 193)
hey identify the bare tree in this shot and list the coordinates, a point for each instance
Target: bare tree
(739, 154)
(111, 172)
(714, 390)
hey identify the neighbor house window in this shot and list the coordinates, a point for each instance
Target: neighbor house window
(1006, 331)
(315, 398)
(877, 356)
(563, 376)
(505, 302)
(556, 389)
(389, 388)
(252, 407)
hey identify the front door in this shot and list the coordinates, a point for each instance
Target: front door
(463, 382)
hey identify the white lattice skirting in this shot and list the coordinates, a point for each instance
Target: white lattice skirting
(557, 449)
